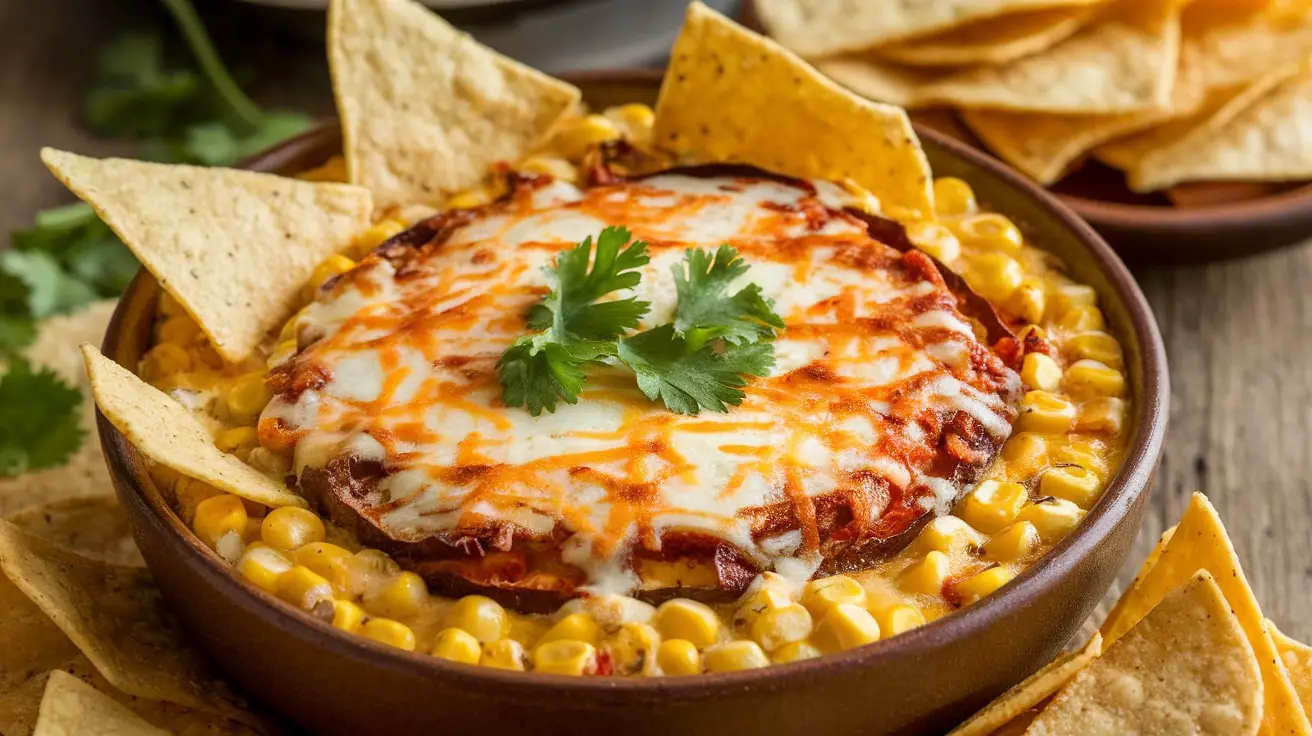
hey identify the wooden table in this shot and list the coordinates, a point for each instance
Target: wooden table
(1239, 334)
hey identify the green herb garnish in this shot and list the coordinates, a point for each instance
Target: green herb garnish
(39, 419)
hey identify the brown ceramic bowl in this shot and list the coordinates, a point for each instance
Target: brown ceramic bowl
(923, 681)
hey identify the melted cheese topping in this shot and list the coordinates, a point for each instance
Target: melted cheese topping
(874, 364)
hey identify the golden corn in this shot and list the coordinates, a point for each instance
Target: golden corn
(678, 657)
(329, 561)
(845, 626)
(1041, 372)
(994, 275)
(579, 135)
(367, 569)
(1053, 518)
(165, 359)
(781, 626)
(633, 647)
(1072, 296)
(262, 565)
(1105, 416)
(469, 199)
(168, 306)
(1029, 300)
(769, 592)
(934, 239)
(347, 616)
(289, 528)
(482, 617)
(217, 516)
(686, 619)
(1088, 454)
(1013, 543)
(1073, 483)
(236, 438)
(732, 656)
(307, 590)
(1045, 412)
(247, 397)
(820, 595)
(953, 197)
(990, 230)
(400, 598)
(1082, 318)
(375, 236)
(795, 652)
(992, 505)
(862, 198)
(457, 645)
(1025, 453)
(1089, 379)
(179, 330)
(636, 120)
(894, 620)
(981, 584)
(565, 657)
(506, 654)
(389, 632)
(1098, 346)
(556, 168)
(329, 267)
(927, 575)
(280, 353)
(288, 331)
(575, 626)
(947, 534)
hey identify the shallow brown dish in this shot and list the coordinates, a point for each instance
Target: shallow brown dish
(923, 681)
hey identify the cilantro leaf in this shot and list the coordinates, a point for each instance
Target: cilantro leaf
(536, 372)
(706, 310)
(40, 423)
(34, 278)
(16, 333)
(690, 380)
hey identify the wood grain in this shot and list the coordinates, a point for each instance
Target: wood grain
(1239, 334)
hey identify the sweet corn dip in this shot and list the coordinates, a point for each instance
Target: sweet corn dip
(1050, 466)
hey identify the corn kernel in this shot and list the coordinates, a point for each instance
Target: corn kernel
(927, 575)
(218, 515)
(678, 657)
(581, 134)
(468, 200)
(289, 328)
(401, 597)
(506, 654)
(289, 528)
(164, 360)
(781, 626)
(1087, 454)
(1098, 346)
(1106, 416)
(347, 616)
(368, 569)
(236, 438)
(953, 197)
(634, 119)
(306, 590)
(179, 330)
(768, 592)
(795, 652)
(389, 632)
(981, 584)
(862, 199)
(375, 236)
(934, 239)
(1013, 543)
(457, 645)
(329, 561)
(281, 352)
(994, 275)
(1043, 411)
(686, 619)
(478, 615)
(575, 626)
(732, 656)
(1089, 379)
(633, 647)
(947, 534)
(556, 168)
(845, 626)
(1082, 318)
(1041, 372)
(1072, 296)
(248, 396)
(898, 619)
(990, 230)
(1026, 452)
(565, 657)
(262, 565)
(168, 306)
(820, 595)
(1053, 518)
(1029, 300)
(329, 267)
(1071, 482)
(992, 505)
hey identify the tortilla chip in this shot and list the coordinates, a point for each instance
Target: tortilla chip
(115, 616)
(1185, 668)
(233, 247)
(1033, 690)
(164, 431)
(723, 78)
(29, 642)
(1200, 542)
(425, 109)
(1125, 61)
(877, 79)
(992, 40)
(1297, 657)
(58, 347)
(94, 526)
(1118, 610)
(816, 29)
(73, 708)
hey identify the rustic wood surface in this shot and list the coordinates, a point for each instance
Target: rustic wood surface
(1239, 334)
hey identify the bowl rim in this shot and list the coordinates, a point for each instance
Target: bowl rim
(1131, 481)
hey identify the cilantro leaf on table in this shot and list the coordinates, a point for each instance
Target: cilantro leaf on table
(707, 310)
(35, 279)
(574, 327)
(39, 419)
(688, 380)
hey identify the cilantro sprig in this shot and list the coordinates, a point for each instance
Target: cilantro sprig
(701, 360)
(40, 423)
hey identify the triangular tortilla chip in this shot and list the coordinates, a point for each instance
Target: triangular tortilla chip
(992, 40)
(1030, 692)
(426, 109)
(1200, 542)
(724, 78)
(73, 708)
(233, 247)
(94, 526)
(164, 431)
(877, 79)
(1118, 610)
(1185, 668)
(816, 29)
(1125, 61)
(1297, 657)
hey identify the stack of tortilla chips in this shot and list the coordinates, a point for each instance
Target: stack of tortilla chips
(1168, 91)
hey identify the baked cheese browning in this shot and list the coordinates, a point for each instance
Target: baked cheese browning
(882, 409)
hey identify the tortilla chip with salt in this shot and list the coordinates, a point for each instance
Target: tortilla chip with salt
(1124, 61)
(816, 29)
(877, 79)
(1200, 542)
(233, 247)
(1118, 610)
(1297, 657)
(115, 616)
(73, 708)
(724, 81)
(1030, 692)
(992, 40)
(166, 432)
(94, 526)
(1186, 667)
(426, 109)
